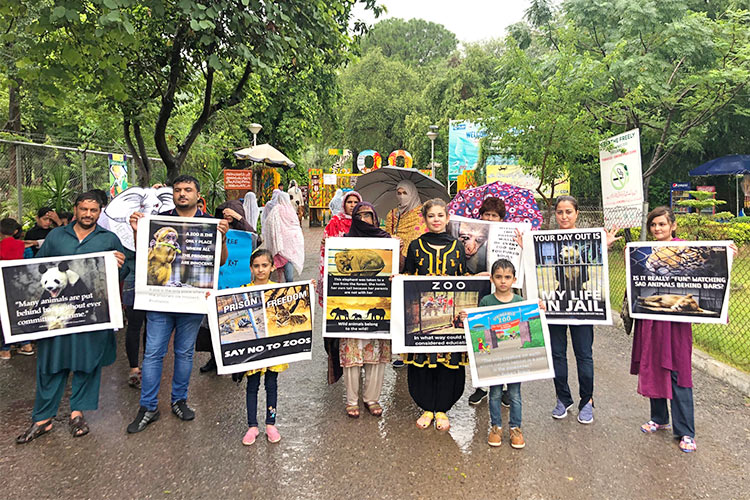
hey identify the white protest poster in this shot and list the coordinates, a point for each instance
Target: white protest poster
(622, 179)
(686, 281)
(177, 261)
(357, 287)
(568, 270)
(261, 326)
(54, 296)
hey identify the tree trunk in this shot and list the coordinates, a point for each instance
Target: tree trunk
(644, 228)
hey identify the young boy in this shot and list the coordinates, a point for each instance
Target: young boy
(11, 249)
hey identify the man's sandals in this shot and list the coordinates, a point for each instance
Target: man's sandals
(34, 431)
(78, 426)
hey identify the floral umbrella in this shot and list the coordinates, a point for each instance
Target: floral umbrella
(520, 205)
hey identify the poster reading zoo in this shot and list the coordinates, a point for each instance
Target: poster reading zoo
(507, 344)
(685, 281)
(260, 326)
(54, 296)
(177, 261)
(357, 287)
(486, 241)
(568, 269)
(426, 311)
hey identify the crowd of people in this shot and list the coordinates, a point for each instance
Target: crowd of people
(660, 357)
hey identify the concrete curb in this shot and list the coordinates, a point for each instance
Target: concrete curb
(732, 376)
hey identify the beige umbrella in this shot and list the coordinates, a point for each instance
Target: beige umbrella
(265, 153)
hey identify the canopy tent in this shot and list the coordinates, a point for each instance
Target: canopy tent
(726, 165)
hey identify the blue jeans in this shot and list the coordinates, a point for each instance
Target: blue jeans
(289, 272)
(683, 415)
(251, 397)
(496, 394)
(159, 326)
(582, 338)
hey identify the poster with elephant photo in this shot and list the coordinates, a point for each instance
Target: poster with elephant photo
(357, 287)
(487, 241)
(177, 262)
(686, 281)
(261, 326)
(568, 270)
(426, 311)
(54, 296)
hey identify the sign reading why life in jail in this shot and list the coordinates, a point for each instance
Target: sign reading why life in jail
(261, 326)
(54, 296)
(685, 281)
(357, 287)
(177, 261)
(427, 311)
(569, 272)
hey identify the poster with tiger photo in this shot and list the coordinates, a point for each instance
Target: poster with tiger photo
(685, 281)
(261, 326)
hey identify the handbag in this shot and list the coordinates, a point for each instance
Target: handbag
(627, 321)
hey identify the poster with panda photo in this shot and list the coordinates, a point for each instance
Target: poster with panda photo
(176, 262)
(686, 281)
(568, 270)
(54, 296)
(261, 326)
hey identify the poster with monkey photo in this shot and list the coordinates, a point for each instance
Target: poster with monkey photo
(177, 262)
(568, 270)
(261, 326)
(686, 281)
(357, 287)
(54, 296)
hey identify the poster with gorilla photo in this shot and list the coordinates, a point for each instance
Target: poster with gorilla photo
(686, 281)
(261, 326)
(357, 287)
(54, 296)
(177, 262)
(487, 241)
(425, 314)
(568, 270)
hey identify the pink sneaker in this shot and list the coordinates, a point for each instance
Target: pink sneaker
(272, 433)
(250, 436)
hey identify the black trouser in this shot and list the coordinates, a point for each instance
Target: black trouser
(136, 320)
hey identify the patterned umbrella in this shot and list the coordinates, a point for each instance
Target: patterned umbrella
(520, 205)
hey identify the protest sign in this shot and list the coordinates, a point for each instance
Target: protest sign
(260, 326)
(425, 311)
(486, 241)
(622, 179)
(569, 272)
(236, 270)
(177, 261)
(357, 287)
(54, 296)
(508, 343)
(685, 281)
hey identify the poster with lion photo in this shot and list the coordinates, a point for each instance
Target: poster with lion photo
(685, 281)
(357, 287)
(54, 296)
(568, 270)
(177, 262)
(261, 326)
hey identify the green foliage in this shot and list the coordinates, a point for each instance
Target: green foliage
(414, 42)
(211, 177)
(58, 191)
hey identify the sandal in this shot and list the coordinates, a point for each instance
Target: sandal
(425, 420)
(34, 431)
(78, 426)
(134, 380)
(352, 411)
(650, 427)
(441, 421)
(374, 408)
(687, 444)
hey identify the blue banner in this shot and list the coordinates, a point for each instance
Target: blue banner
(463, 147)
(236, 270)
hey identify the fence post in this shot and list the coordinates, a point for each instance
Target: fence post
(83, 172)
(19, 182)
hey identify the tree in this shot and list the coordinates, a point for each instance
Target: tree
(414, 42)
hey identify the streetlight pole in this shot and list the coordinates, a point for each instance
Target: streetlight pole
(254, 129)
(432, 135)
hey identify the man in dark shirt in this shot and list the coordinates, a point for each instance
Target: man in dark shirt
(46, 221)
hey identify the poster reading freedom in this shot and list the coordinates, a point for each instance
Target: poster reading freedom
(357, 287)
(426, 309)
(568, 269)
(685, 281)
(177, 261)
(260, 326)
(486, 241)
(507, 344)
(54, 296)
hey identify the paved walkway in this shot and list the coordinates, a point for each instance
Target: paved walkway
(325, 454)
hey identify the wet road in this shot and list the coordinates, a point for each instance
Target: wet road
(325, 454)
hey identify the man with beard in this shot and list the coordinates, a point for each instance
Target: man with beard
(84, 354)
(159, 325)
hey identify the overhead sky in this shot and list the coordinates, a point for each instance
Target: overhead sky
(470, 20)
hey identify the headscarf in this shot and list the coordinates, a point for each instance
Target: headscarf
(269, 206)
(252, 212)
(236, 205)
(361, 228)
(337, 202)
(282, 234)
(411, 200)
